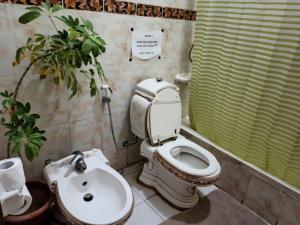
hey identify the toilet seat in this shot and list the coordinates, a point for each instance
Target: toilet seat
(188, 161)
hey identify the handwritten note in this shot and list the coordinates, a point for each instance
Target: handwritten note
(146, 45)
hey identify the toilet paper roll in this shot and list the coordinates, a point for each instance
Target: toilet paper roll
(138, 115)
(16, 202)
(11, 175)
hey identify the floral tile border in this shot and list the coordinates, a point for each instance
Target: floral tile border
(91, 5)
(118, 7)
(27, 2)
(149, 10)
(34, 2)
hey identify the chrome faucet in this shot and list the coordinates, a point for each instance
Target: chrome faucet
(80, 164)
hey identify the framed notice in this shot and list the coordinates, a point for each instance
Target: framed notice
(146, 44)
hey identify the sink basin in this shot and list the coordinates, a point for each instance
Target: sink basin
(100, 195)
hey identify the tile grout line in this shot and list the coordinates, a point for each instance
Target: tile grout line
(146, 201)
(150, 196)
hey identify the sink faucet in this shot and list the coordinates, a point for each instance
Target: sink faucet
(80, 165)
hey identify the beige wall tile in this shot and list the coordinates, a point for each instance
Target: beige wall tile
(84, 106)
(86, 134)
(134, 153)
(114, 158)
(115, 30)
(178, 40)
(46, 99)
(23, 32)
(264, 199)
(123, 86)
(3, 144)
(7, 43)
(121, 127)
(8, 83)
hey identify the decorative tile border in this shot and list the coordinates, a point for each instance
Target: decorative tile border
(192, 179)
(118, 7)
(33, 2)
(91, 5)
(149, 10)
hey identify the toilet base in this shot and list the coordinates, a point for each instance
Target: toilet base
(179, 193)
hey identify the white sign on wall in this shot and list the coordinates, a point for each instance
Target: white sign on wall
(146, 45)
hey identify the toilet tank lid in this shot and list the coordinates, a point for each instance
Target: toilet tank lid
(150, 87)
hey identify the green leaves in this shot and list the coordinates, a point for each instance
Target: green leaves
(21, 126)
(29, 16)
(19, 55)
(88, 24)
(93, 87)
(37, 11)
(87, 47)
(7, 102)
(56, 8)
(69, 21)
(82, 47)
(60, 55)
(34, 8)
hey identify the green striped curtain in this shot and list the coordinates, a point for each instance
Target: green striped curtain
(245, 89)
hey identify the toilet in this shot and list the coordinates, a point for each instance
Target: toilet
(174, 165)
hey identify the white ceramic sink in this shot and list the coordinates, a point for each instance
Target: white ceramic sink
(99, 195)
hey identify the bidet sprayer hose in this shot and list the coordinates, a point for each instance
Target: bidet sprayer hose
(124, 164)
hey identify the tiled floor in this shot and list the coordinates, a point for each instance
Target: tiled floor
(150, 208)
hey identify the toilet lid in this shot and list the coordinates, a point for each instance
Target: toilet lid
(164, 116)
(149, 88)
(189, 158)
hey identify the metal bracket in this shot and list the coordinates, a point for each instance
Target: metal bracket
(128, 143)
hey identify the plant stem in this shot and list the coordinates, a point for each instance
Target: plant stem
(16, 95)
(53, 23)
(22, 78)
(8, 150)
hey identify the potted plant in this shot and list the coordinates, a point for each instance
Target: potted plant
(62, 56)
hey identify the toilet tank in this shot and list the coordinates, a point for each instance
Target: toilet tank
(155, 111)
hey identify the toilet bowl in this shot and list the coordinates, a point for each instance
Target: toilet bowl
(175, 166)
(98, 196)
(188, 161)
